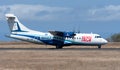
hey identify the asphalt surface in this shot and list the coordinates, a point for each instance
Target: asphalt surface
(64, 49)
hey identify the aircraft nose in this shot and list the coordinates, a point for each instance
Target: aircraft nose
(105, 41)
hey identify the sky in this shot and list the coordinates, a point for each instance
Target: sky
(96, 16)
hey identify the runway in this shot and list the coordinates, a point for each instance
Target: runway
(41, 57)
(29, 46)
(64, 49)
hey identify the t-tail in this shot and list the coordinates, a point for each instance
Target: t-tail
(14, 24)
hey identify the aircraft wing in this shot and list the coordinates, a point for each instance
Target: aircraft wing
(57, 33)
(62, 34)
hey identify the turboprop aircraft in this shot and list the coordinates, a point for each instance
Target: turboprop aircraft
(56, 38)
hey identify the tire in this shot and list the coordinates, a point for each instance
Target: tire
(59, 46)
(99, 46)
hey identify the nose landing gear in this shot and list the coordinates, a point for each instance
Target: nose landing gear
(99, 46)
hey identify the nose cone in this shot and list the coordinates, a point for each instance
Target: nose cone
(104, 41)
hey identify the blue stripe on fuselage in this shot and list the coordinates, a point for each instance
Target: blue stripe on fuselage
(45, 40)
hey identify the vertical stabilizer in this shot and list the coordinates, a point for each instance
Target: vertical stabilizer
(14, 24)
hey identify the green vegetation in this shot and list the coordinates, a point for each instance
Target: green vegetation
(114, 38)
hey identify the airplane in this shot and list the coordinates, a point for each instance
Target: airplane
(56, 38)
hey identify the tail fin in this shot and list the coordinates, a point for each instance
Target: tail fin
(14, 24)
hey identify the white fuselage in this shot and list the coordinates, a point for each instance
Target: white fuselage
(47, 38)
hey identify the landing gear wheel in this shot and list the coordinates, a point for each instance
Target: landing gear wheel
(99, 46)
(59, 46)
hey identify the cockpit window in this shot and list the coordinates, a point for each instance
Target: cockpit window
(97, 36)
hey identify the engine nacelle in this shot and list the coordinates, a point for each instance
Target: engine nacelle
(69, 34)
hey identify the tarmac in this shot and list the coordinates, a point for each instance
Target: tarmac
(27, 56)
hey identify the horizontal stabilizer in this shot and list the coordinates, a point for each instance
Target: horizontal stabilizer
(10, 15)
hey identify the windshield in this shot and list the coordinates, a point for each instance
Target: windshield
(97, 36)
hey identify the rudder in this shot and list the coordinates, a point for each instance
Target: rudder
(14, 24)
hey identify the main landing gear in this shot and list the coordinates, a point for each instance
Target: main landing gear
(59, 46)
